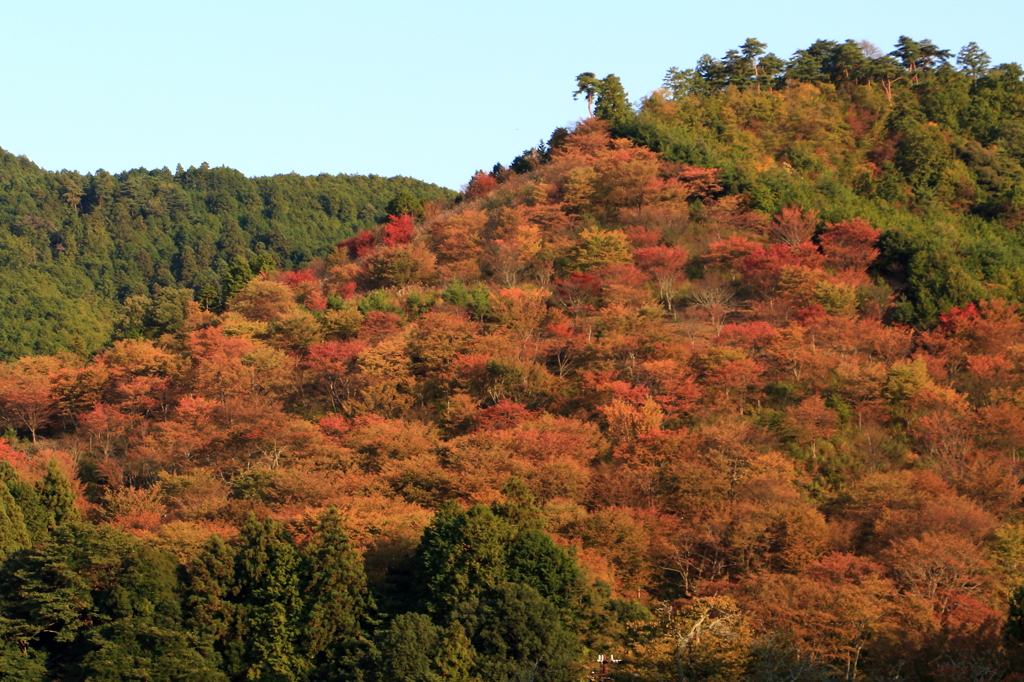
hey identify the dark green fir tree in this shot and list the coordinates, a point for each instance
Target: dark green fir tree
(338, 605)
(57, 496)
(270, 605)
(209, 613)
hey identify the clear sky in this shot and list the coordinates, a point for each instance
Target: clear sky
(431, 90)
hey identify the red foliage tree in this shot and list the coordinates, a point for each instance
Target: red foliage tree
(360, 245)
(850, 244)
(331, 364)
(398, 230)
(578, 292)
(26, 396)
(666, 265)
(480, 185)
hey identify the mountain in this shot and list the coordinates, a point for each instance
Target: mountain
(729, 386)
(87, 258)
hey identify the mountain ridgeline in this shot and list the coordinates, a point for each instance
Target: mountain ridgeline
(84, 259)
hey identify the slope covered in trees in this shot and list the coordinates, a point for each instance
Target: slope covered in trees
(84, 259)
(926, 147)
(722, 417)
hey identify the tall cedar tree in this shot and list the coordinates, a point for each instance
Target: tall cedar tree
(13, 532)
(270, 604)
(209, 610)
(102, 605)
(57, 496)
(32, 510)
(338, 605)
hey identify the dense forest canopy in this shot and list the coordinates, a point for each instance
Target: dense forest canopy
(726, 386)
(84, 259)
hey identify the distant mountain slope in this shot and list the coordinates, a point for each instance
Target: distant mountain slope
(74, 248)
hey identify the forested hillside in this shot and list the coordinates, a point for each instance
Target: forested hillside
(84, 259)
(927, 148)
(729, 386)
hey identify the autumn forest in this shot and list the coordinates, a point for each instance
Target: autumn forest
(723, 384)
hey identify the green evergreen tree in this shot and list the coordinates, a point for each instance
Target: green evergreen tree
(33, 512)
(405, 203)
(534, 560)
(57, 496)
(140, 635)
(406, 650)
(517, 634)
(606, 98)
(13, 532)
(102, 606)
(238, 275)
(338, 605)
(461, 555)
(973, 61)
(209, 613)
(455, 656)
(23, 665)
(269, 603)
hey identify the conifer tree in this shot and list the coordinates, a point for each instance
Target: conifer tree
(102, 605)
(237, 276)
(455, 656)
(32, 510)
(138, 632)
(13, 533)
(57, 496)
(209, 611)
(338, 603)
(270, 603)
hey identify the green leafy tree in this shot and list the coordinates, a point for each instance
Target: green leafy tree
(407, 648)
(534, 560)
(24, 665)
(455, 656)
(597, 248)
(405, 203)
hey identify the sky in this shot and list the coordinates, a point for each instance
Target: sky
(430, 90)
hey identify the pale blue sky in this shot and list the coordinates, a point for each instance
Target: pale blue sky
(427, 90)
